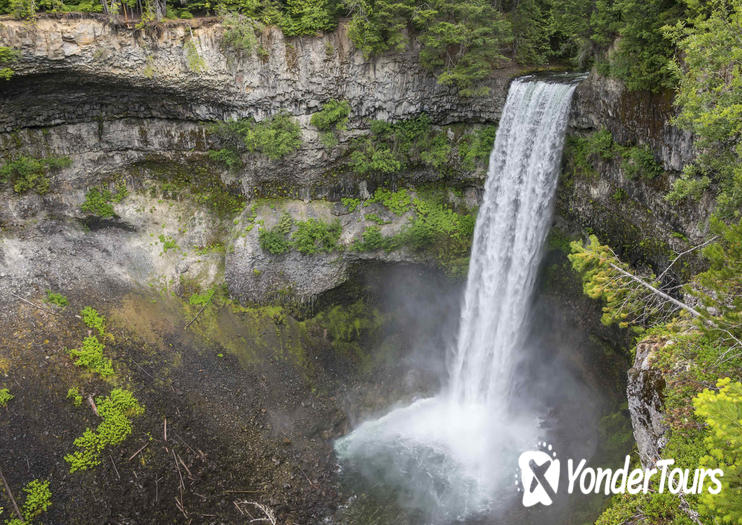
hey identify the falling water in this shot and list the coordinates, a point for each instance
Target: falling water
(447, 453)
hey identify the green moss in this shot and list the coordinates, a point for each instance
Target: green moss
(168, 243)
(57, 299)
(93, 319)
(350, 203)
(116, 410)
(74, 394)
(38, 499)
(5, 396)
(90, 356)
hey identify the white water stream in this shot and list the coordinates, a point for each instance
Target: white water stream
(448, 452)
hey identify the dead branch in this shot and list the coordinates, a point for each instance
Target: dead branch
(138, 451)
(92, 405)
(712, 239)
(199, 313)
(10, 494)
(33, 304)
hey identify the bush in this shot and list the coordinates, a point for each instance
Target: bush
(31, 174)
(275, 138)
(91, 357)
(99, 201)
(239, 33)
(721, 409)
(313, 236)
(398, 202)
(56, 298)
(332, 118)
(638, 161)
(276, 241)
(8, 55)
(476, 147)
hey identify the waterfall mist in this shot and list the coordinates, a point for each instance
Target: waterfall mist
(452, 456)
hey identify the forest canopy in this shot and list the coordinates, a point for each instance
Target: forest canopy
(463, 41)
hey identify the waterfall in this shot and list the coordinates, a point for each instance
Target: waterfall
(447, 454)
(511, 228)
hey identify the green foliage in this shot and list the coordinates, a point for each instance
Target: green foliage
(710, 102)
(638, 161)
(718, 288)
(400, 146)
(93, 319)
(239, 33)
(202, 299)
(90, 356)
(308, 17)
(194, 60)
(398, 202)
(462, 41)
(38, 499)
(31, 174)
(275, 138)
(625, 301)
(5, 396)
(722, 411)
(475, 147)
(276, 240)
(332, 118)
(375, 218)
(348, 323)
(643, 55)
(22, 9)
(74, 394)
(8, 55)
(99, 201)
(116, 410)
(372, 239)
(313, 236)
(168, 243)
(56, 298)
(350, 203)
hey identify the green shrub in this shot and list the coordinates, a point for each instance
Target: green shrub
(229, 157)
(91, 357)
(116, 410)
(398, 202)
(74, 394)
(8, 56)
(276, 241)
(99, 201)
(638, 161)
(31, 174)
(313, 236)
(275, 138)
(721, 409)
(332, 118)
(375, 218)
(56, 298)
(476, 147)
(403, 145)
(201, 299)
(239, 33)
(350, 203)
(5, 396)
(93, 319)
